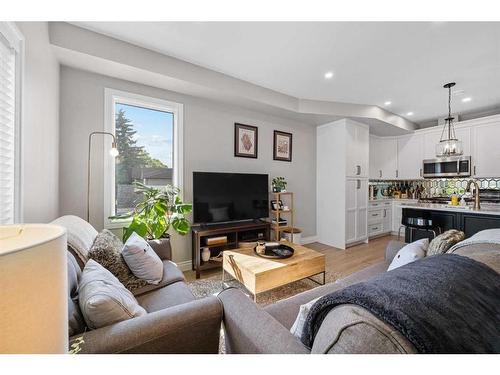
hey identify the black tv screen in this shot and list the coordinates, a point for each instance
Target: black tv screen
(224, 197)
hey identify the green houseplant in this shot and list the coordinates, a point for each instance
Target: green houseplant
(156, 213)
(279, 184)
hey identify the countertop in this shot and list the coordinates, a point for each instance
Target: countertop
(486, 209)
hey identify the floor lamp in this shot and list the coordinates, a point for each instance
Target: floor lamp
(113, 152)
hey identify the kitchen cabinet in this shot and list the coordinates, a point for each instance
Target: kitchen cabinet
(357, 147)
(342, 149)
(356, 210)
(379, 218)
(409, 157)
(431, 139)
(383, 158)
(486, 151)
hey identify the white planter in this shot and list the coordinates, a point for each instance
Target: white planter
(296, 238)
(205, 254)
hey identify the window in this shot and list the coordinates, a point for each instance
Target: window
(10, 68)
(148, 137)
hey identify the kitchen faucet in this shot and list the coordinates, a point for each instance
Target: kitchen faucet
(477, 204)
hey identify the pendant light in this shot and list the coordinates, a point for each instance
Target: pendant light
(449, 145)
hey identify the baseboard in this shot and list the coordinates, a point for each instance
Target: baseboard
(185, 266)
(310, 239)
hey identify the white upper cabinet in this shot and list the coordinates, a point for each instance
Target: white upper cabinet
(383, 158)
(486, 150)
(410, 151)
(357, 149)
(431, 139)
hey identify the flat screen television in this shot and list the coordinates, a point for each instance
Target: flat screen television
(226, 197)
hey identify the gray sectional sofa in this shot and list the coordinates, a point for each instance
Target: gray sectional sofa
(346, 328)
(176, 322)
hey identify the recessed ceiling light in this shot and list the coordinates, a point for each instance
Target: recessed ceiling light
(388, 102)
(328, 75)
(409, 114)
(468, 99)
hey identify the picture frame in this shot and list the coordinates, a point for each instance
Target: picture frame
(282, 146)
(246, 139)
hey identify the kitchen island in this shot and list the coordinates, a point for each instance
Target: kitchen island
(446, 217)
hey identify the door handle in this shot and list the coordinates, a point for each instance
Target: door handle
(358, 184)
(358, 170)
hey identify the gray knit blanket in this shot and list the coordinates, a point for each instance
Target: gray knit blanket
(441, 304)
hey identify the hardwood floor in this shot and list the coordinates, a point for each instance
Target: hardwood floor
(340, 262)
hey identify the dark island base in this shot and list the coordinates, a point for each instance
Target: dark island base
(469, 223)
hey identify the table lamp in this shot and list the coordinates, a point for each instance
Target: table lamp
(33, 289)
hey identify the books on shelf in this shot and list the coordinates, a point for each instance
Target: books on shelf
(282, 222)
(221, 240)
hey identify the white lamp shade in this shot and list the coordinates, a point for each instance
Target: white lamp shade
(33, 289)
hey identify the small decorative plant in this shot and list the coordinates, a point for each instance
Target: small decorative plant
(279, 184)
(160, 209)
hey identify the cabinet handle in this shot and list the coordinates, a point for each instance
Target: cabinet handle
(420, 172)
(474, 170)
(385, 212)
(397, 173)
(358, 184)
(380, 173)
(374, 214)
(358, 170)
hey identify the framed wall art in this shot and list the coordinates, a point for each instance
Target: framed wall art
(245, 141)
(282, 146)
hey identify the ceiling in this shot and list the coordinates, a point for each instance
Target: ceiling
(373, 62)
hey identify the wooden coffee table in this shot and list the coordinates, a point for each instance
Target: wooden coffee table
(259, 274)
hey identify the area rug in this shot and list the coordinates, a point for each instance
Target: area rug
(213, 285)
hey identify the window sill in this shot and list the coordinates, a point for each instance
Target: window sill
(116, 224)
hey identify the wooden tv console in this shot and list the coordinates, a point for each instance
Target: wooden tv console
(235, 233)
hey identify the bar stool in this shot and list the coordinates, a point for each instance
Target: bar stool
(418, 223)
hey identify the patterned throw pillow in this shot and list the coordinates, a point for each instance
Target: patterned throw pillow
(444, 241)
(106, 250)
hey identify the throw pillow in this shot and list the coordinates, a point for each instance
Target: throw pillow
(103, 299)
(444, 241)
(410, 253)
(80, 235)
(142, 259)
(106, 250)
(298, 325)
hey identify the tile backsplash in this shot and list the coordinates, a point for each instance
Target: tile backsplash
(440, 187)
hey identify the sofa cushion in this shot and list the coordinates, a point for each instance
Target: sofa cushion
(103, 299)
(171, 274)
(76, 322)
(80, 234)
(106, 250)
(410, 253)
(352, 329)
(442, 243)
(286, 311)
(142, 259)
(162, 298)
(487, 253)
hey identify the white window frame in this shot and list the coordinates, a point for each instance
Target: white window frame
(112, 97)
(10, 32)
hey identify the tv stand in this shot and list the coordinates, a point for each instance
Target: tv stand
(248, 231)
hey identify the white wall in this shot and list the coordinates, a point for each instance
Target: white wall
(208, 146)
(40, 126)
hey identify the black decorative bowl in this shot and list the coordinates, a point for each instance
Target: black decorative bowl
(278, 251)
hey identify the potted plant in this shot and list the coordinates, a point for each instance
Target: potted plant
(156, 213)
(279, 185)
